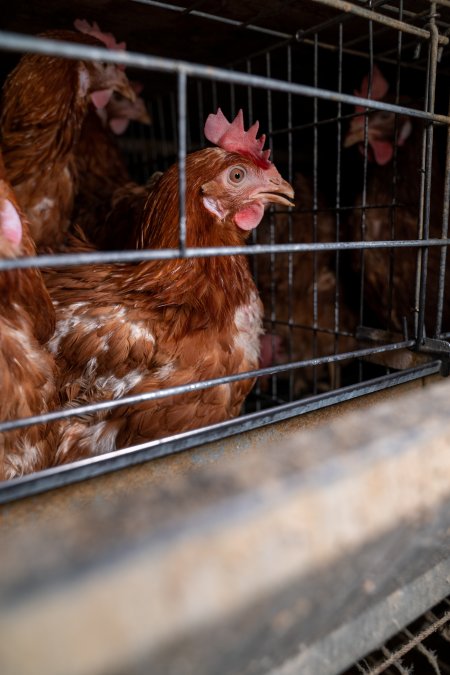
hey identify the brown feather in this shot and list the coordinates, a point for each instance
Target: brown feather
(45, 100)
(27, 370)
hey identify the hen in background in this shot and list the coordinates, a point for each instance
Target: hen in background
(393, 201)
(100, 165)
(45, 101)
(299, 299)
(27, 370)
(128, 329)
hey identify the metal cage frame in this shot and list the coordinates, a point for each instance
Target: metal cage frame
(437, 347)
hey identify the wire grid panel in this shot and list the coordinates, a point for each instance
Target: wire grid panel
(421, 647)
(356, 273)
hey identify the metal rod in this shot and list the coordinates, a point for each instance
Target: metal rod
(182, 159)
(195, 386)
(18, 488)
(214, 17)
(17, 42)
(426, 180)
(340, 19)
(315, 179)
(69, 259)
(337, 257)
(393, 210)
(357, 10)
(445, 216)
(290, 270)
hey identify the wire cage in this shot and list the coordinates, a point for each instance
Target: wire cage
(419, 647)
(353, 278)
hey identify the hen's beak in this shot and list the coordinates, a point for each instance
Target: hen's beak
(355, 133)
(144, 118)
(122, 85)
(281, 192)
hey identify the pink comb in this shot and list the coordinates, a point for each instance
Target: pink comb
(232, 136)
(108, 39)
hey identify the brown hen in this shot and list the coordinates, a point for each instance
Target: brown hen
(27, 370)
(45, 100)
(129, 329)
(100, 165)
(393, 200)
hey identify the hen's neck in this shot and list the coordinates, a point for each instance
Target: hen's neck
(208, 288)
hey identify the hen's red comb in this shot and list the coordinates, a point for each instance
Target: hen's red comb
(108, 39)
(232, 136)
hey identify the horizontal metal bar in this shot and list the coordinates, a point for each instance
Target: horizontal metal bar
(196, 386)
(357, 10)
(441, 3)
(328, 23)
(69, 259)
(18, 488)
(303, 326)
(214, 17)
(25, 43)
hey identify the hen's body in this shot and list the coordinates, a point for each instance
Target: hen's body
(27, 370)
(129, 329)
(45, 100)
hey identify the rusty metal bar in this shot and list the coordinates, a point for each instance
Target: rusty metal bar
(425, 189)
(357, 10)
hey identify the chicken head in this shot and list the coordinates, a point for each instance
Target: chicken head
(249, 182)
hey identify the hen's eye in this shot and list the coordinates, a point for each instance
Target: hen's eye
(236, 175)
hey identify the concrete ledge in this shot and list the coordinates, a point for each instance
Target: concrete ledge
(280, 559)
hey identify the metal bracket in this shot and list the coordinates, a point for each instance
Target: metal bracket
(426, 349)
(440, 348)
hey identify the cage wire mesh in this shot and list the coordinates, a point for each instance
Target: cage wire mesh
(421, 647)
(354, 102)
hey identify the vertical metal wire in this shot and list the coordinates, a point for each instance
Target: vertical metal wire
(201, 112)
(249, 93)
(254, 234)
(426, 178)
(162, 127)
(290, 298)
(174, 123)
(153, 151)
(232, 99)
(393, 206)
(338, 191)
(315, 180)
(182, 118)
(273, 314)
(443, 258)
(214, 95)
(364, 192)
